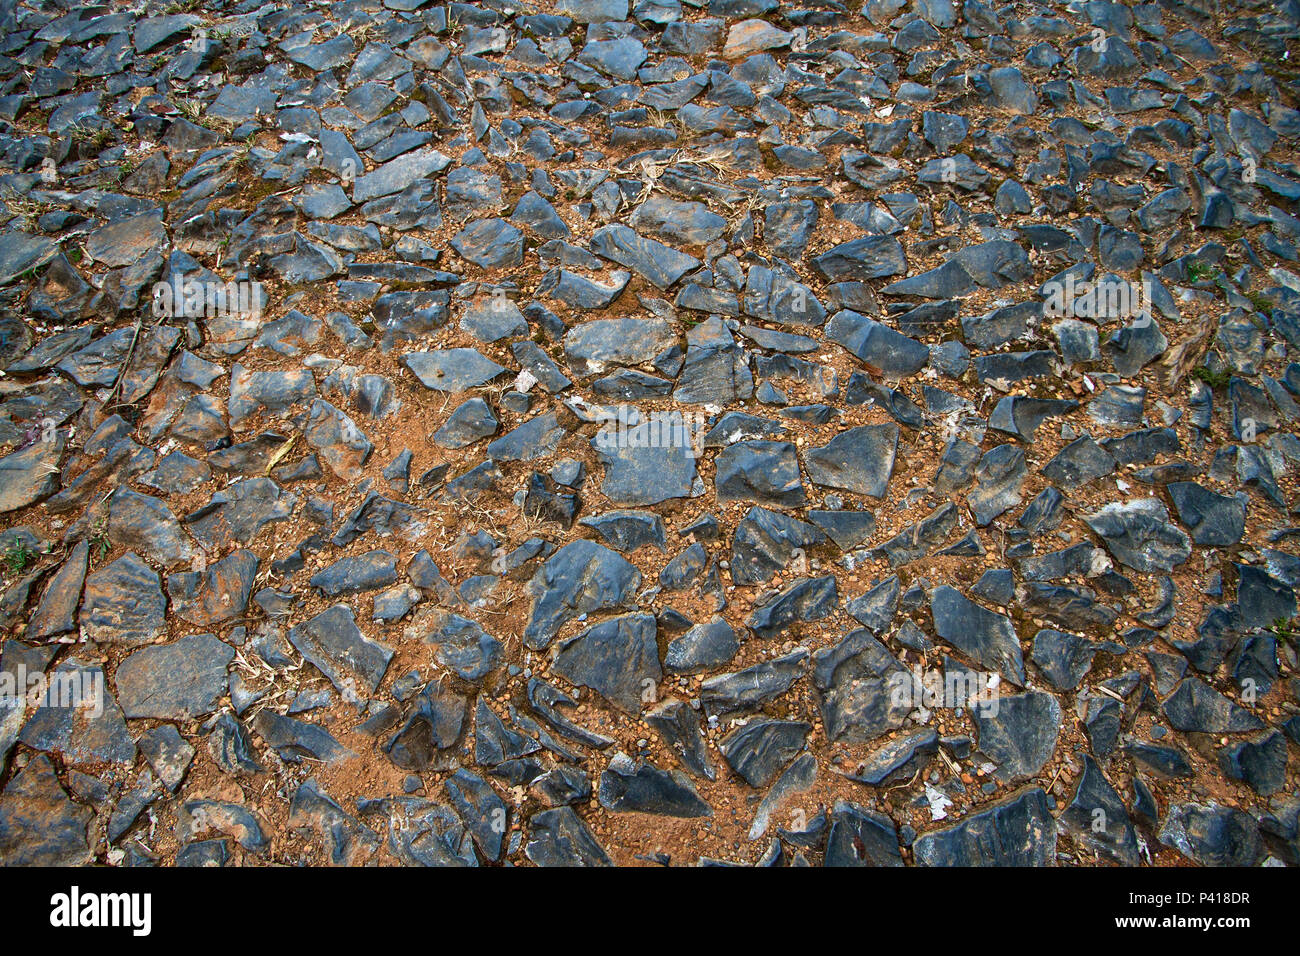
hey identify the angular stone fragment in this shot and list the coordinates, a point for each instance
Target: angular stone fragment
(1261, 762)
(659, 264)
(758, 750)
(680, 726)
(1063, 658)
(999, 476)
(1212, 835)
(344, 840)
(899, 759)
(616, 341)
(643, 788)
(1214, 520)
(40, 825)
(878, 346)
(216, 594)
(237, 513)
(1018, 732)
(858, 460)
(293, 739)
(57, 611)
(470, 421)
(618, 658)
(806, 599)
(869, 257)
(452, 370)
(1020, 415)
(31, 474)
(864, 691)
(558, 837)
(338, 441)
(987, 638)
(763, 471)
(176, 681)
(462, 645)
(490, 244)
(1017, 830)
(396, 175)
(766, 541)
(1196, 707)
(753, 36)
(703, 647)
(353, 575)
(649, 462)
(335, 645)
(580, 578)
(752, 686)
(535, 438)
(79, 719)
(861, 837)
(1139, 534)
(123, 603)
(433, 724)
(627, 529)
(168, 753)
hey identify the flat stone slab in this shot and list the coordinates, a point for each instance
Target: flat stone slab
(452, 370)
(987, 638)
(176, 681)
(1018, 830)
(858, 460)
(335, 645)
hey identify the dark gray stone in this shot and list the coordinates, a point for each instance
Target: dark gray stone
(618, 658)
(578, 579)
(1139, 534)
(858, 460)
(1018, 732)
(335, 645)
(987, 638)
(629, 787)
(1017, 830)
(177, 681)
(761, 748)
(763, 471)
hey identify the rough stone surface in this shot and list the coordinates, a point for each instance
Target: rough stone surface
(589, 431)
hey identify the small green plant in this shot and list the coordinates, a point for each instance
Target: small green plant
(96, 139)
(25, 211)
(1284, 629)
(99, 543)
(1212, 379)
(1262, 303)
(17, 555)
(192, 110)
(1200, 271)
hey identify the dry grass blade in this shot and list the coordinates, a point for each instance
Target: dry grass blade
(280, 452)
(651, 169)
(121, 371)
